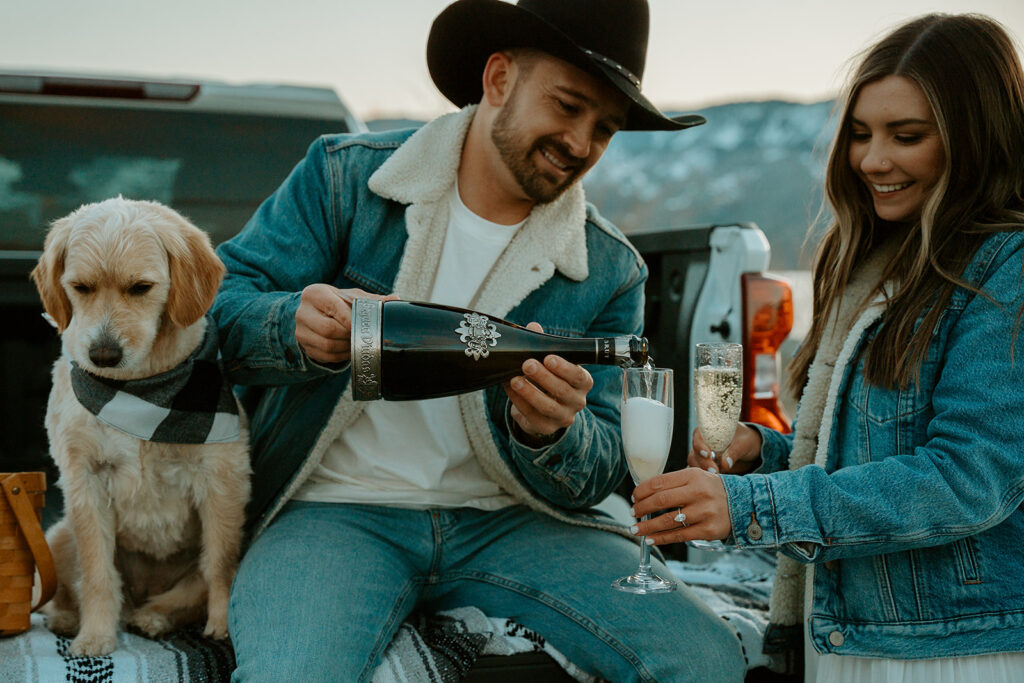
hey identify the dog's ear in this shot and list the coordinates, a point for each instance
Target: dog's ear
(49, 270)
(196, 270)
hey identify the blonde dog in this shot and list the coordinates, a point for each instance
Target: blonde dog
(152, 529)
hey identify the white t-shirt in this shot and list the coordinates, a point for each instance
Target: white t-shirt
(416, 453)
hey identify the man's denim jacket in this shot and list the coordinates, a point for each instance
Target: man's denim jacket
(915, 524)
(369, 211)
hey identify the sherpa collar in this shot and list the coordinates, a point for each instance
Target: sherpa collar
(190, 403)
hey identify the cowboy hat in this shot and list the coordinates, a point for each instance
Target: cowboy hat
(607, 38)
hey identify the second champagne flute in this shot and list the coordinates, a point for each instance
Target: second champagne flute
(717, 399)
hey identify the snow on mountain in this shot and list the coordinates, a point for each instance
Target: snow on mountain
(752, 161)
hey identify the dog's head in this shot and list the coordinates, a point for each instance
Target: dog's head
(117, 274)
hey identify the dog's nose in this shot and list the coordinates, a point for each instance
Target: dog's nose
(105, 354)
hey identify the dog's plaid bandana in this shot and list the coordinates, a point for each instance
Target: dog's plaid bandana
(191, 403)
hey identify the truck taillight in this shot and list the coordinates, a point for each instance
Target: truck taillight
(767, 321)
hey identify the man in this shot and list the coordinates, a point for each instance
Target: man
(366, 511)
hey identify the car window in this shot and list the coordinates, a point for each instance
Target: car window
(215, 168)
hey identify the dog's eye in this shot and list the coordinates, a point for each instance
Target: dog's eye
(140, 288)
(82, 289)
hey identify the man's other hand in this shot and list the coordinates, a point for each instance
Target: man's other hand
(547, 397)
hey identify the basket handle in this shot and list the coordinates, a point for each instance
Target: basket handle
(17, 496)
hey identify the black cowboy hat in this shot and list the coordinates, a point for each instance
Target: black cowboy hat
(607, 38)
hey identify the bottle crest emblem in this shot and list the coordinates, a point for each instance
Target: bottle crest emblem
(477, 333)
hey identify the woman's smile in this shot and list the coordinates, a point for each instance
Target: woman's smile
(895, 147)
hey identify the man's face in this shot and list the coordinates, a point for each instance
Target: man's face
(555, 125)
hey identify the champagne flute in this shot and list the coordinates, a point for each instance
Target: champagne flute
(646, 436)
(717, 398)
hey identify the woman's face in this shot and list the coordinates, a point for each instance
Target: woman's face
(895, 146)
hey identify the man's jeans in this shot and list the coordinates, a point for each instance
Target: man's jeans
(321, 593)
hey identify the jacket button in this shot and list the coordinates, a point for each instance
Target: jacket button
(836, 638)
(754, 530)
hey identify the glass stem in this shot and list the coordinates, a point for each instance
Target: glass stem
(645, 556)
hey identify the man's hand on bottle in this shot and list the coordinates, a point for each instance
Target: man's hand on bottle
(547, 397)
(323, 321)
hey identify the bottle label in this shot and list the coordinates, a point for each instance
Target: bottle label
(477, 333)
(366, 348)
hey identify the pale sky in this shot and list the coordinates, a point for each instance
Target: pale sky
(372, 51)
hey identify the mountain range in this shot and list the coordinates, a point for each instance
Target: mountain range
(762, 162)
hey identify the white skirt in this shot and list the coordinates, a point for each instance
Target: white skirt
(994, 668)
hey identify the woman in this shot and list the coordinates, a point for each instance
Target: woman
(901, 487)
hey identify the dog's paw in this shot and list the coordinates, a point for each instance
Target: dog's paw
(149, 622)
(93, 644)
(62, 622)
(216, 627)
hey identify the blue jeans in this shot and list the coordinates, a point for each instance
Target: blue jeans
(320, 594)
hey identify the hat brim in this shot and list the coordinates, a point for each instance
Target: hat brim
(468, 32)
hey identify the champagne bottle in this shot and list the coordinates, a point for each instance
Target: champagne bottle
(407, 350)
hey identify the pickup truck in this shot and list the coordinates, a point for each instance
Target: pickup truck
(214, 152)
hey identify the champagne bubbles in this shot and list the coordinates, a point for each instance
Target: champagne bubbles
(718, 396)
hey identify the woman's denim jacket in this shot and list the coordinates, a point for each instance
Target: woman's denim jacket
(324, 224)
(915, 524)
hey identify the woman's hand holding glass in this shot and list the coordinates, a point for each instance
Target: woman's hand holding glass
(741, 456)
(685, 505)
(691, 504)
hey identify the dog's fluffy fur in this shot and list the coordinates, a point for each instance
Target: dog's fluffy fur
(151, 531)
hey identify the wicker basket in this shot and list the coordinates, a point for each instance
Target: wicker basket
(22, 549)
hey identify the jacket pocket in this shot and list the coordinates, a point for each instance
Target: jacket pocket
(966, 553)
(882, 404)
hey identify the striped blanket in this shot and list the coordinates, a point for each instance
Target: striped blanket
(438, 647)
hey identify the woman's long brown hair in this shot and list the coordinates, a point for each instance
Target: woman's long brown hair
(967, 68)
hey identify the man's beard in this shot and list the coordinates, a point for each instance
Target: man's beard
(518, 157)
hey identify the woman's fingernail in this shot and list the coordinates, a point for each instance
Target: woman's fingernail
(714, 456)
(633, 529)
(713, 470)
(632, 513)
(704, 454)
(649, 541)
(728, 461)
(632, 499)
(681, 517)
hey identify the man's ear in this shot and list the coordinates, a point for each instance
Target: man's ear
(499, 75)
